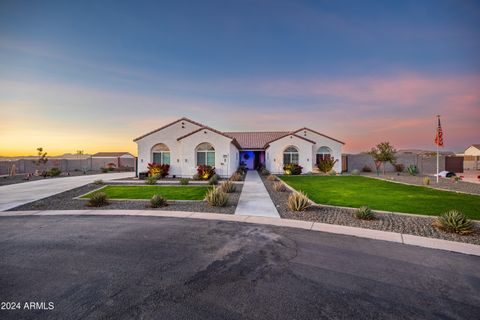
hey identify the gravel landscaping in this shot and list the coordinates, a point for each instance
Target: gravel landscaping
(408, 224)
(443, 183)
(66, 201)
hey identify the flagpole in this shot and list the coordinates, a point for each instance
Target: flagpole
(438, 159)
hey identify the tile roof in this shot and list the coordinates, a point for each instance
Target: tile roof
(243, 140)
(256, 140)
(111, 154)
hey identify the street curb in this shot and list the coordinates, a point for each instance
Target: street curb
(407, 239)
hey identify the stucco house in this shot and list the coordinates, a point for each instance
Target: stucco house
(471, 157)
(184, 144)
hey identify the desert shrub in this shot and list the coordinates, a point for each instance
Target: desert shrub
(54, 172)
(454, 221)
(298, 201)
(325, 165)
(99, 182)
(412, 170)
(426, 181)
(151, 180)
(98, 199)
(364, 213)
(366, 169)
(242, 168)
(104, 170)
(216, 197)
(237, 176)
(184, 181)
(279, 186)
(213, 180)
(227, 187)
(272, 178)
(399, 167)
(264, 172)
(355, 172)
(205, 172)
(292, 169)
(157, 201)
(158, 170)
(456, 178)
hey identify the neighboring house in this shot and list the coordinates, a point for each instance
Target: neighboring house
(185, 144)
(113, 159)
(471, 157)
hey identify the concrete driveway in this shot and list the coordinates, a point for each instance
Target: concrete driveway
(93, 267)
(16, 194)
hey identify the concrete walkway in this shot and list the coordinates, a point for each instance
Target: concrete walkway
(14, 195)
(255, 200)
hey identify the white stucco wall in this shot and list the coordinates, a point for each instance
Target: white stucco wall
(168, 136)
(220, 143)
(182, 153)
(321, 141)
(274, 154)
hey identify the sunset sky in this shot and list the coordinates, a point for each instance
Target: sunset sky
(93, 75)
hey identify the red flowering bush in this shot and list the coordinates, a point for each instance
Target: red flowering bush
(159, 170)
(205, 172)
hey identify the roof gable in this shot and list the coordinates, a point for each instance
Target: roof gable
(321, 134)
(168, 125)
(287, 135)
(212, 130)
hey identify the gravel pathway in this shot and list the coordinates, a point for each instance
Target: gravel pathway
(66, 201)
(443, 183)
(420, 226)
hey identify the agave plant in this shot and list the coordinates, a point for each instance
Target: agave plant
(454, 221)
(298, 201)
(216, 197)
(272, 178)
(279, 186)
(364, 213)
(98, 199)
(227, 187)
(412, 170)
(157, 201)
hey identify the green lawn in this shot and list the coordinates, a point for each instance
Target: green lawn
(355, 191)
(146, 192)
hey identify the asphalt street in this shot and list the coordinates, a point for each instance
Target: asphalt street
(96, 267)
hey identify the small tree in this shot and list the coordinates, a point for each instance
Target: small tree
(42, 157)
(384, 152)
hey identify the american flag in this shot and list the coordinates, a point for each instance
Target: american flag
(439, 135)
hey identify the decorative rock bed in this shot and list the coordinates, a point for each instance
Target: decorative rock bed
(443, 183)
(402, 223)
(66, 201)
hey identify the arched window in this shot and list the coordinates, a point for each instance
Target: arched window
(160, 154)
(290, 155)
(323, 153)
(205, 154)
